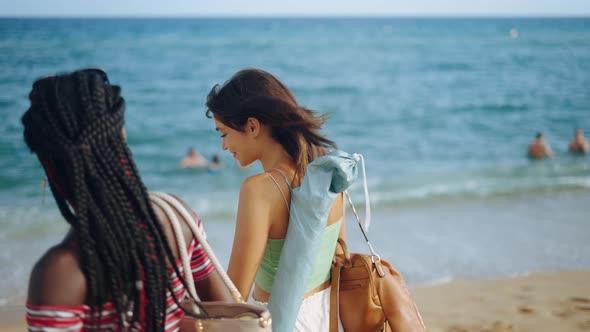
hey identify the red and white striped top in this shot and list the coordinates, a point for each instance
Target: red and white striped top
(78, 318)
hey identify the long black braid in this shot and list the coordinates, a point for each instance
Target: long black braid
(74, 125)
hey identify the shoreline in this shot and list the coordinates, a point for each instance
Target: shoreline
(429, 243)
(539, 302)
(480, 239)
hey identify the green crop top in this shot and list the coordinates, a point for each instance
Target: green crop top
(320, 272)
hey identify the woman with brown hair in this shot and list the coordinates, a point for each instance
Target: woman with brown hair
(259, 119)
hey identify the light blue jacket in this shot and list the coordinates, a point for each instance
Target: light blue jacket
(326, 176)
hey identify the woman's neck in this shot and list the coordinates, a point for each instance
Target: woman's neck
(276, 157)
(70, 240)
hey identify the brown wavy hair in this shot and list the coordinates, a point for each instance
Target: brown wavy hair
(258, 94)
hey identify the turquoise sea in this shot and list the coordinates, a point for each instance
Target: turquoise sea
(442, 109)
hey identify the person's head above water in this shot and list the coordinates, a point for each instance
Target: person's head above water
(75, 127)
(256, 94)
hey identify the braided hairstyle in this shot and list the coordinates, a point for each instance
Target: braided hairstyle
(256, 93)
(74, 126)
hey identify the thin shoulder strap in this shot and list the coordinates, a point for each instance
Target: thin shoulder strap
(281, 190)
(284, 176)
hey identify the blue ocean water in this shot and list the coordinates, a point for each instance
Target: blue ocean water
(442, 109)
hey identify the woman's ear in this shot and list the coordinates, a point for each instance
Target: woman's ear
(253, 126)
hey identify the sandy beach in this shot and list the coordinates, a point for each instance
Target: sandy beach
(543, 302)
(12, 318)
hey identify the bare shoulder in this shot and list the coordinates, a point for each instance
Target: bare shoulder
(258, 184)
(259, 190)
(57, 279)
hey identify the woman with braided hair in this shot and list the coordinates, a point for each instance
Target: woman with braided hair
(114, 269)
(259, 119)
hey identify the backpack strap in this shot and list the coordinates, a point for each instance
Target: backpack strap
(334, 297)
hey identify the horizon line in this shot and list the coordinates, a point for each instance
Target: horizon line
(302, 16)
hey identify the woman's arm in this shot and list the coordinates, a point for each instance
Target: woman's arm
(212, 288)
(208, 282)
(252, 228)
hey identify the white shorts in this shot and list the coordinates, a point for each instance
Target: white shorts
(314, 313)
